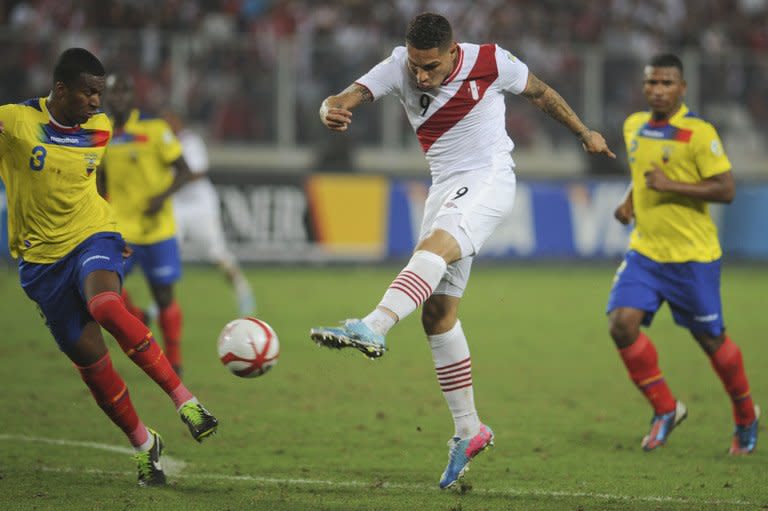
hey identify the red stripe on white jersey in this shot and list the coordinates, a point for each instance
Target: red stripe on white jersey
(470, 92)
(459, 63)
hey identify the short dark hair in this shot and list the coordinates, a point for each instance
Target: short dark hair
(666, 60)
(429, 30)
(74, 62)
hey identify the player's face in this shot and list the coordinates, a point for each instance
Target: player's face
(431, 67)
(82, 99)
(664, 89)
(119, 97)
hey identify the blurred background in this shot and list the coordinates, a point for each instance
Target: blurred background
(249, 75)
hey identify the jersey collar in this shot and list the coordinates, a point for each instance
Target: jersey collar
(681, 112)
(133, 117)
(56, 124)
(457, 68)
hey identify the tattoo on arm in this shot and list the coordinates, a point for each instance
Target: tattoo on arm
(548, 100)
(361, 93)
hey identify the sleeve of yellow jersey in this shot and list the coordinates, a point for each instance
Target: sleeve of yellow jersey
(168, 146)
(708, 152)
(8, 118)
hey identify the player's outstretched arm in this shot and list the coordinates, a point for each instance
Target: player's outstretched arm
(548, 100)
(336, 111)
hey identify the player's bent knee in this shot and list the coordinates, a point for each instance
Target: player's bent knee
(624, 330)
(102, 305)
(438, 316)
(622, 337)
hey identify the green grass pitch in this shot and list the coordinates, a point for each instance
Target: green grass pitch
(330, 430)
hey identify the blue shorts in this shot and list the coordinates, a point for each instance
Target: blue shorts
(57, 288)
(691, 289)
(160, 262)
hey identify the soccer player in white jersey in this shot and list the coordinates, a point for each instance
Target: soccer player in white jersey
(453, 96)
(198, 219)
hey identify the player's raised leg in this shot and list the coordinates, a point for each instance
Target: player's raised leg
(161, 263)
(106, 307)
(412, 286)
(134, 309)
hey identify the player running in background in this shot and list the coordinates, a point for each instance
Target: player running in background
(71, 255)
(198, 218)
(678, 165)
(453, 97)
(142, 167)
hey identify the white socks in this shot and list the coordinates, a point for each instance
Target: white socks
(413, 285)
(147, 445)
(453, 365)
(379, 321)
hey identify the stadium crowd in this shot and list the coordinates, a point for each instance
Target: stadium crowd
(224, 72)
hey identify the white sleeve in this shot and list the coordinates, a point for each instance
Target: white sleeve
(195, 152)
(513, 73)
(386, 76)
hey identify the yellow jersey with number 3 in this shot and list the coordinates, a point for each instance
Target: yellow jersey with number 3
(668, 226)
(49, 173)
(138, 167)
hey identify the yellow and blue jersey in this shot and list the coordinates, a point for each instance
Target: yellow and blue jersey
(138, 167)
(49, 176)
(671, 228)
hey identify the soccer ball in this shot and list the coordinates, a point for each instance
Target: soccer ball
(248, 347)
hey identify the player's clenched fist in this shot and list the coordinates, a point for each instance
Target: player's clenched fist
(335, 118)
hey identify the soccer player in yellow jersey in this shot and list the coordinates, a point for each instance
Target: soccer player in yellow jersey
(678, 166)
(143, 166)
(71, 255)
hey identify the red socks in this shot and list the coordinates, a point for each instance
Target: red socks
(110, 312)
(133, 309)
(729, 366)
(641, 361)
(110, 392)
(170, 324)
(137, 342)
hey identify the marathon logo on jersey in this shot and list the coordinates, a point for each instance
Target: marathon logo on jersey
(76, 138)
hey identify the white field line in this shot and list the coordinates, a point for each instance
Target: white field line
(174, 467)
(171, 465)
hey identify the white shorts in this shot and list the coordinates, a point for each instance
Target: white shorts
(469, 207)
(199, 229)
